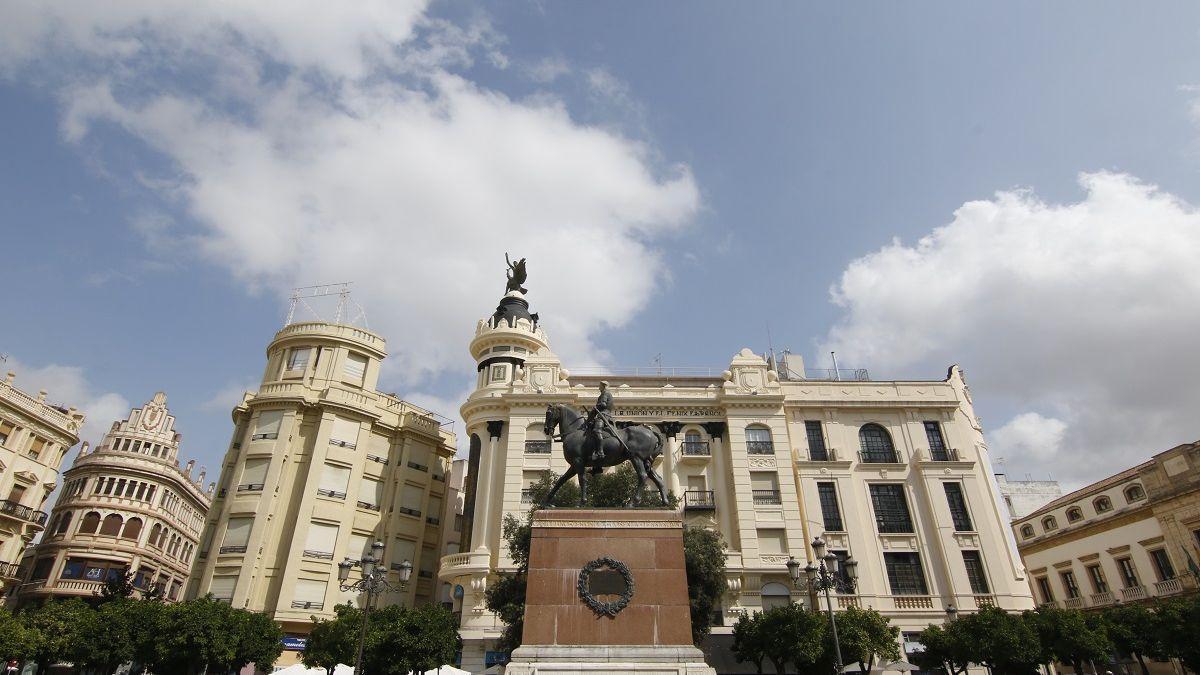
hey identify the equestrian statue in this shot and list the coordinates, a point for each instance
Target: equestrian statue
(592, 442)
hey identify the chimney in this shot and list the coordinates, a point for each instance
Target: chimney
(83, 450)
(187, 471)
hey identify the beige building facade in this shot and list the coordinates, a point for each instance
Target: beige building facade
(893, 473)
(321, 465)
(126, 506)
(34, 438)
(1131, 537)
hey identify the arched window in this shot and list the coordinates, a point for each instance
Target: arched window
(112, 525)
(775, 595)
(694, 444)
(133, 529)
(1102, 504)
(1134, 493)
(1027, 531)
(89, 523)
(1049, 523)
(876, 444)
(64, 523)
(154, 532)
(1074, 514)
(758, 441)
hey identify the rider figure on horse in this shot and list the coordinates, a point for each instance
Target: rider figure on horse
(600, 421)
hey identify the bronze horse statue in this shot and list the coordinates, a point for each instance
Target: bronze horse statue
(639, 445)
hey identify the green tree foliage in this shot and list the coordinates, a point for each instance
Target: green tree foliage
(749, 640)
(17, 641)
(704, 559)
(56, 626)
(1133, 630)
(1069, 636)
(196, 634)
(115, 620)
(403, 640)
(1176, 627)
(946, 647)
(1005, 643)
(866, 634)
(259, 640)
(333, 641)
(116, 587)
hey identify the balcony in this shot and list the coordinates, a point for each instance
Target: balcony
(527, 496)
(250, 487)
(696, 449)
(8, 570)
(878, 457)
(537, 447)
(407, 511)
(1168, 586)
(699, 500)
(307, 604)
(760, 447)
(1134, 593)
(418, 467)
(367, 505)
(319, 555)
(433, 520)
(982, 601)
(766, 497)
(377, 458)
(1073, 603)
(233, 549)
(944, 455)
(1103, 598)
(913, 601)
(21, 512)
(336, 494)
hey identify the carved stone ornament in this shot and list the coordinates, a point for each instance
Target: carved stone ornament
(624, 595)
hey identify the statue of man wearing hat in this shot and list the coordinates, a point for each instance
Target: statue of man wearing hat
(600, 420)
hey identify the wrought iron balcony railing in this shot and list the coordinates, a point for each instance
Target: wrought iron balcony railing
(22, 512)
(699, 500)
(766, 497)
(760, 447)
(696, 449)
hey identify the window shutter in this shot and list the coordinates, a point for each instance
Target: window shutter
(268, 424)
(772, 541)
(413, 497)
(355, 367)
(335, 478)
(310, 591)
(222, 587)
(370, 491)
(359, 546)
(419, 454)
(763, 480)
(380, 445)
(238, 532)
(344, 433)
(255, 472)
(298, 358)
(404, 550)
(322, 538)
(435, 507)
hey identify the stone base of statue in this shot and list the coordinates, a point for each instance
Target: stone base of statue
(607, 593)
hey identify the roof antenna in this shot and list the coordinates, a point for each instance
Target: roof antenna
(836, 375)
(771, 362)
(657, 361)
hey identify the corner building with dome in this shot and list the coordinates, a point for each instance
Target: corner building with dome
(893, 473)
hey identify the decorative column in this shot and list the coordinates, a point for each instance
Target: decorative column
(484, 484)
(671, 430)
(716, 431)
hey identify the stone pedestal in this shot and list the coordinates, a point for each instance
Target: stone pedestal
(603, 623)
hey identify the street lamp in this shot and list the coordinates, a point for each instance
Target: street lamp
(373, 582)
(820, 577)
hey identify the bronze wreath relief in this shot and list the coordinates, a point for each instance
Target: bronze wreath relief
(619, 584)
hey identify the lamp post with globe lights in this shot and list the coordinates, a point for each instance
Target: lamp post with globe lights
(822, 577)
(373, 582)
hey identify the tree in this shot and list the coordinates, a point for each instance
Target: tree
(865, 634)
(333, 641)
(1133, 630)
(56, 626)
(401, 640)
(1177, 621)
(16, 640)
(1068, 636)
(704, 560)
(749, 640)
(116, 587)
(1004, 642)
(259, 640)
(116, 620)
(197, 634)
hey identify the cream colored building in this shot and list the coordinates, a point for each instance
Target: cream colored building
(34, 438)
(320, 466)
(1130, 537)
(895, 473)
(126, 506)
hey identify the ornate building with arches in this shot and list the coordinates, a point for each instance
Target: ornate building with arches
(893, 473)
(126, 507)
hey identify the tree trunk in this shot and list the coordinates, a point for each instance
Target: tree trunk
(1142, 662)
(779, 669)
(757, 664)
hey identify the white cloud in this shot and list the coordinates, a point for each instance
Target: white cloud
(399, 175)
(228, 396)
(68, 386)
(1082, 314)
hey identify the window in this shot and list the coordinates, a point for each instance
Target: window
(1102, 504)
(403, 549)
(1049, 523)
(411, 500)
(876, 444)
(1134, 493)
(772, 541)
(418, 458)
(298, 359)
(905, 574)
(72, 569)
(775, 595)
(1162, 564)
(937, 444)
(111, 525)
(6, 432)
(254, 474)
(268, 424)
(1096, 576)
(765, 488)
(133, 529)
(817, 451)
(758, 441)
(891, 508)
(1128, 574)
(90, 523)
(975, 574)
(1068, 582)
(359, 546)
(237, 535)
(435, 511)
(344, 433)
(310, 594)
(16, 494)
(1074, 514)
(41, 569)
(830, 513)
(370, 493)
(222, 588)
(1027, 531)
(958, 507)
(35, 448)
(63, 523)
(354, 368)
(694, 444)
(322, 538)
(1043, 585)
(334, 480)
(499, 373)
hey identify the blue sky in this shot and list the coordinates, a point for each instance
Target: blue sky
(1006, 186)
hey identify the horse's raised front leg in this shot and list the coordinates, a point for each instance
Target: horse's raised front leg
(641, 474)
(558, 484)
(662, 491)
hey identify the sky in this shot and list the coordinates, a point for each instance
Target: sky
(1006, 186)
